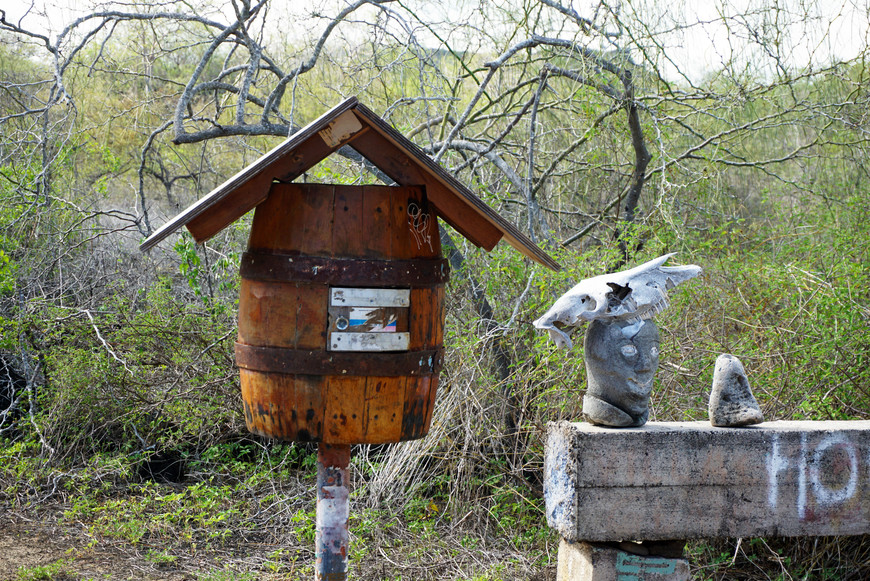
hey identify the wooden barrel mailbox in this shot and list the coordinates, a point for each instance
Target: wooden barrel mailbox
(341, 314)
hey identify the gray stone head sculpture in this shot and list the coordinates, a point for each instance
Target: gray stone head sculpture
(621, 361)
(622, 342)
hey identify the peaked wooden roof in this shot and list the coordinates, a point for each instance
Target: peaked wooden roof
(351, 123)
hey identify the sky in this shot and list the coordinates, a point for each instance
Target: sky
(699, 36)
(798, 34)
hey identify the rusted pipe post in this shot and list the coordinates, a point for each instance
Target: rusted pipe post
(333, 488)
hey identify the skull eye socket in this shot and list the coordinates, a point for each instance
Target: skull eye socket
(628, 350)
(654, 352)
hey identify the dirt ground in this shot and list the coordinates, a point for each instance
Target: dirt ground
(70, 554)
(26, 544)
(30, 545)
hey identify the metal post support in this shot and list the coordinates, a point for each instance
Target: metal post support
(333, 488)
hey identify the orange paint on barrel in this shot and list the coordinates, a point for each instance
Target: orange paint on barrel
(330, 230)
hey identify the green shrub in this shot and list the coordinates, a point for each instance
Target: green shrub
(150, 373)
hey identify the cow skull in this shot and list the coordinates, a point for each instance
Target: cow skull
(631, 295)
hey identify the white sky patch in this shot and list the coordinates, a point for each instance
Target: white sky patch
(684, 39)
(761, 37)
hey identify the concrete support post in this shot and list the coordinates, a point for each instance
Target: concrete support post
(582, 561)
(331, 537)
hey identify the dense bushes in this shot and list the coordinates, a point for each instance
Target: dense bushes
(134, 376)
(151, 370)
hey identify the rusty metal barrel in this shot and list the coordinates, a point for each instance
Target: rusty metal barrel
(341, 314)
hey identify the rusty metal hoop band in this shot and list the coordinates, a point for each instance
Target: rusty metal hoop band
(318, 362)
(344, 272)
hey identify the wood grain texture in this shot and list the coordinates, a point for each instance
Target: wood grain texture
(267, 313)
(227, 210)
(351, 123)
(316, 208)
(424, 323)
(417, 409)
(376, 226)
(286, 407)
(277, 222)
(453, 207)
(432, 380)
(419, 237)
(314, 227)
(384, 407)
(311, 308)
(438, 299)
(401, 237)
(344, 416)
(337, 410)
(347, 238)
(403, 169)
(344, 272)
(295, 219)
(318, 362)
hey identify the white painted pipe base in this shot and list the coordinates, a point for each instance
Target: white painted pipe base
(333, 510)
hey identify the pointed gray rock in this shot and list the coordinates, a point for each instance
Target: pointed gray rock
(731, 401)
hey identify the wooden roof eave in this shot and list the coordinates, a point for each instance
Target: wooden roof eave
(451, 213)
(245, 190)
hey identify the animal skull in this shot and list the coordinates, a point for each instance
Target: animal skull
(631, 295)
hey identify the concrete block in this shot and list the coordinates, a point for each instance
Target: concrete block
(585, 562)
(685, 480)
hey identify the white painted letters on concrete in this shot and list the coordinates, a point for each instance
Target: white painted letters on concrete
(828, 496)
(776, 463)
(831, 458)
(679, 480)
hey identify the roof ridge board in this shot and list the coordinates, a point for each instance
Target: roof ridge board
(248, 172)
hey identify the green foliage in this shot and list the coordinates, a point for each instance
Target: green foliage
(207, 280)
(305, 524)
(199, 513)
(147, 370)
(778, 558)
(8, 269)
(135, 355)
(20, 468)
(226, 575)
(160, 558)
(789, 298)
(56, 571)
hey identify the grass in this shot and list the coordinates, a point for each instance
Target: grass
(264, 528)
(56, 571)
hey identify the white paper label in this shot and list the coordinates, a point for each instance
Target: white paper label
(369, 341)
(370, 297)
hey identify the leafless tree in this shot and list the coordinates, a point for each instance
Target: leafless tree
(511, 114)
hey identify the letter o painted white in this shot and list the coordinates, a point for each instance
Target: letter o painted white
(823, 494)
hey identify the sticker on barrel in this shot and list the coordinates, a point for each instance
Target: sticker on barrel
(368, 319)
